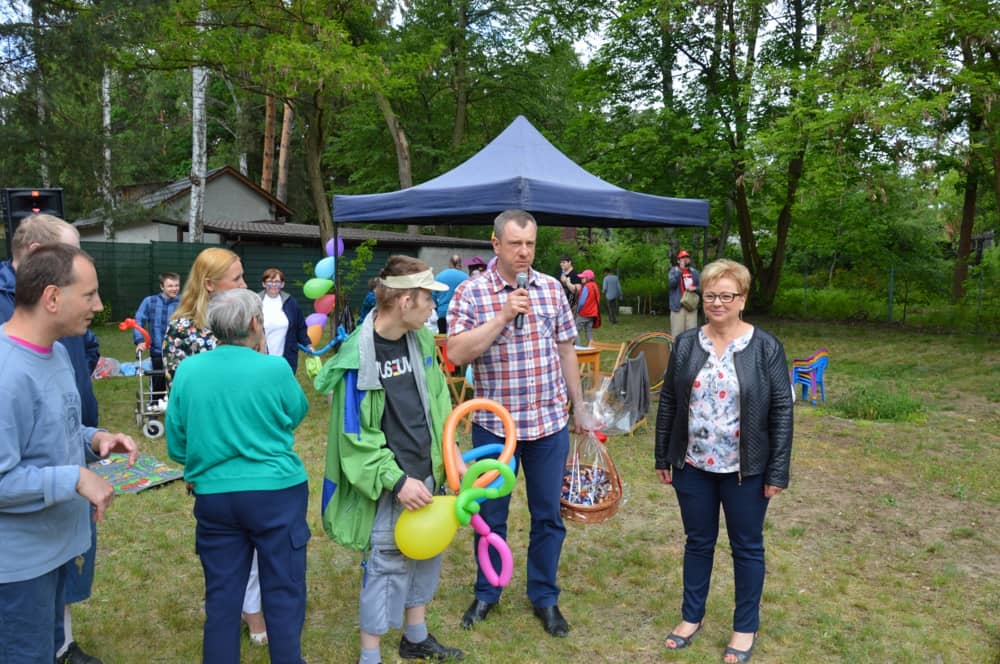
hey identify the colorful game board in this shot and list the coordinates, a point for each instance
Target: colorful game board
(146, 473)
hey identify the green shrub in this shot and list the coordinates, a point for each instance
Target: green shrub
(870, 402)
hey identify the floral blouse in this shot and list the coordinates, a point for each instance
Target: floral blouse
(714, 418)
(182, 339)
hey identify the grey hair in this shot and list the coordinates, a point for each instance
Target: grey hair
(230, 313)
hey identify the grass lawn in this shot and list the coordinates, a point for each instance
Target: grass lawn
(885, 548)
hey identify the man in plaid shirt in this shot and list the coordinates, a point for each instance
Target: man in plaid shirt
(532, 370)
(153, 315)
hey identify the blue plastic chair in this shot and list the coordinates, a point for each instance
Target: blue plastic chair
(809, 373)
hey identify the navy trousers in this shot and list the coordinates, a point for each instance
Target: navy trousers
(544, 463)
(230, 526)
(699, 494)
(31, 618)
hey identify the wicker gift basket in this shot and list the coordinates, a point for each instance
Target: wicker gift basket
(592, 488)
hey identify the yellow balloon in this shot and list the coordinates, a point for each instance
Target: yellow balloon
(426, 532)
(315, 333)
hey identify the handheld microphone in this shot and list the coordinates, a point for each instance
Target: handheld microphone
(522, 282)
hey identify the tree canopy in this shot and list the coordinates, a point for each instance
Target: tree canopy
(829, 135)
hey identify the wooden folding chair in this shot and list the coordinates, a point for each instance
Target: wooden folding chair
(456, 383)
(619, 354)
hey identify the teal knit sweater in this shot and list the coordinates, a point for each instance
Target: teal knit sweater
(231, 419)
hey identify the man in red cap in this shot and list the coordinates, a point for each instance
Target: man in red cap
(588, 311)
(682, 279)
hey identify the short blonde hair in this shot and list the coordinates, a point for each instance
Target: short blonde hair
(40, 229)
(211, 263)
(726, 269)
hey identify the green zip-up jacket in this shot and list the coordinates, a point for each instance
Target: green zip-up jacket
(359, 464)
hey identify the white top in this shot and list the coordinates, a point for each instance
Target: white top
(275, 325)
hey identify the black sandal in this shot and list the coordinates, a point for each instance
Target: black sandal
(742, 656)
(682, 642)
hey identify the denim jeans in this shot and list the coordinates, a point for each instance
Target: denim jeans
(700, 494)
(31, 618)
(543, 462)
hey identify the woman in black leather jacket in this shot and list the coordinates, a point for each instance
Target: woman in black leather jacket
(724, 437)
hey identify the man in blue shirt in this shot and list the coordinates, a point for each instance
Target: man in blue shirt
(36, 231)
(153, 315)
(46, 490)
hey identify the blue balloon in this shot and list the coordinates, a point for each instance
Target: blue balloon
(489, 450)
(324, 268)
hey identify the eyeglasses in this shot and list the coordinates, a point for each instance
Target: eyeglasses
(274, 284)
(725, 298)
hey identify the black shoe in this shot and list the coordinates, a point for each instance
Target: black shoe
(552, 620)
(74, 655)
(476, 612)
(429, 648)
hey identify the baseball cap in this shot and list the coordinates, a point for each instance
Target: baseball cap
(586, 274)
(683, 254)
(475, 260)
(565, 257)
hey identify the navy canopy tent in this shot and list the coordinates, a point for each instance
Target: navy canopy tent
(520, 169)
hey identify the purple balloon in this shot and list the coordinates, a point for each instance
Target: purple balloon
(316, 319)
(336, 250)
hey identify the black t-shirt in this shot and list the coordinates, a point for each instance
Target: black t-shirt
(403, 421)
(571, 293)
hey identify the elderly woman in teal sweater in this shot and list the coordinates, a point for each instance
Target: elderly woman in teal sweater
(231, 422)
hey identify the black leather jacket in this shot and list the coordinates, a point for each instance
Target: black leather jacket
(765, 406)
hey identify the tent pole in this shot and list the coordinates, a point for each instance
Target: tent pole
(336, 279)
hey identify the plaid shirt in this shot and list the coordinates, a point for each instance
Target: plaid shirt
(154, 315)
(521, 369)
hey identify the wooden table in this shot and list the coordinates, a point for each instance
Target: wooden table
(589, 357)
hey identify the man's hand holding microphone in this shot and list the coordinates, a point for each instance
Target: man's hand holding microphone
(522, 285)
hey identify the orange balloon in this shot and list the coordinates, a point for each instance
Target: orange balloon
(450, 449)
(315, 333)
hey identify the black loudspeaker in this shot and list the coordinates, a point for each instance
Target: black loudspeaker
(21, 203)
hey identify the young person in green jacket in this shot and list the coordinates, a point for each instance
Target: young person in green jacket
(390, 401)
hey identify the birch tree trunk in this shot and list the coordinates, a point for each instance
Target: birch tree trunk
(199, 151)
(267, 169)
(283, 152)
(106, 193)
(43, 153)
(239, 131)
(40, 101)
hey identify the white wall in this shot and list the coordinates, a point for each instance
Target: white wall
(226, 199)
(141, 234)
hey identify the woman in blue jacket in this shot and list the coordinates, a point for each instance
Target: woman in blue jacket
(284, 325)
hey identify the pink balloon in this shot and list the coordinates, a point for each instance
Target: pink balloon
(502, 579)
(325, 304)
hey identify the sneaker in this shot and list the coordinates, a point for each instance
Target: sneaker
(429, 648)
(75, 655)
